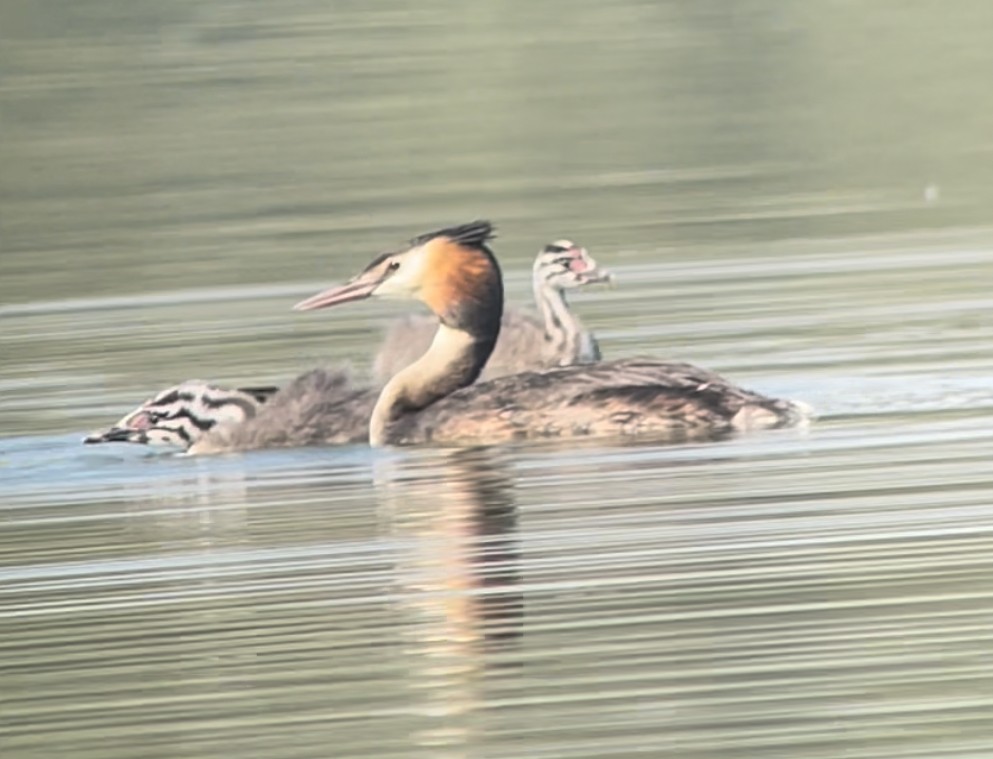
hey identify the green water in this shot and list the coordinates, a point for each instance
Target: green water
(795, 194)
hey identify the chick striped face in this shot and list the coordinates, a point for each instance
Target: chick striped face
(564, 265)
(181, 415)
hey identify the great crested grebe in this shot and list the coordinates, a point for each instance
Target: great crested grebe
(557, 338)
(319, 407)
(433, 400)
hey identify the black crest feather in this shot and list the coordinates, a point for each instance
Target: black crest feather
(473, 235)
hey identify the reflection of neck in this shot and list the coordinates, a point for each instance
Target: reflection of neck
(563, 331)
(454, 360)
(458, 574)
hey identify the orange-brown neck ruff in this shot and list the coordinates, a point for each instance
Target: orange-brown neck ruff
(465, 287)
(465, 291)
(461, 283)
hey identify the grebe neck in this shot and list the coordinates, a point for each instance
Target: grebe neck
(563, 330)
(461, 347)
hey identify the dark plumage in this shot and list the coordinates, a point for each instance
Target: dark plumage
(640, 397)
(474, 234)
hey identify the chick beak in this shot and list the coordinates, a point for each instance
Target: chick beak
(113, 435)
(589, 271)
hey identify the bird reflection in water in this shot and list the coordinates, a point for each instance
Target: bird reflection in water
(453, 515)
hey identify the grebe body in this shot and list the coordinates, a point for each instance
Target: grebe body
(454, 272)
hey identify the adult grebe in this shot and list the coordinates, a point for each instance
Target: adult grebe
(433, 400)
(557, 338)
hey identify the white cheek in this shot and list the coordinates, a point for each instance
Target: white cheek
(390, 289)
(403, 283)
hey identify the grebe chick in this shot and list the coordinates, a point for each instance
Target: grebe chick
(433, 400)
(320, 407)
(183, 414)
(556, 338)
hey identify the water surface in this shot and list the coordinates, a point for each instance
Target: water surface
(794, 195)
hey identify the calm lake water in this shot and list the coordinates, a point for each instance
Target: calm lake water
(795, 194)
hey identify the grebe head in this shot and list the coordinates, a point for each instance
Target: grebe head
(564, 265)
(451, 270)
(181, 415)
(454, 273)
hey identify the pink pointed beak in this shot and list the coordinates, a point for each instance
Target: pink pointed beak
(359, 288)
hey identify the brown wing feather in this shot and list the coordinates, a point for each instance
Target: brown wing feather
(320, 407)
(642, 397)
